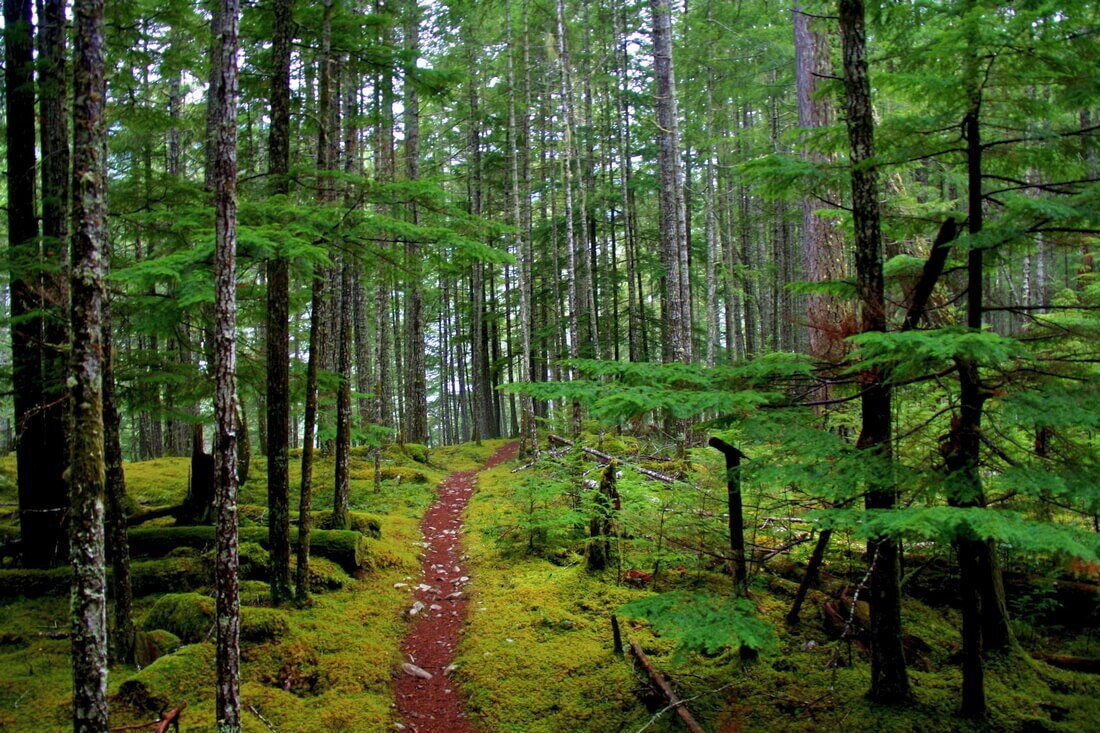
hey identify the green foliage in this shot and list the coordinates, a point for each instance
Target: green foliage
(704, 622)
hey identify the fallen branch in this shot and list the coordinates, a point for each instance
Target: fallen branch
(171, 718)
(662, 685)
(606, 458)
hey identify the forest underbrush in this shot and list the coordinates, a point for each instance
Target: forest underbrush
(538, 654)
(325, 666)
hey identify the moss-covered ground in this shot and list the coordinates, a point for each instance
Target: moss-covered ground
(537, 653)
(326, 667)
(537, 656)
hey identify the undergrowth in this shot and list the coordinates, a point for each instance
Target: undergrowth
(327, 667)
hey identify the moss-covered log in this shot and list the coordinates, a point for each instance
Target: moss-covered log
(185, 571)
(348, 548)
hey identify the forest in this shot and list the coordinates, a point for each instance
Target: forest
(550, 365)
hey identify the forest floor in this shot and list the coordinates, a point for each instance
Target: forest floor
(428, 700)
(528, 649)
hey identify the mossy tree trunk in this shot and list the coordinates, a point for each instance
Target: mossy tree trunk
(598, 550)
(889, 677)
(278, 317)
(86, 468)
(343, 403)
(227, 595)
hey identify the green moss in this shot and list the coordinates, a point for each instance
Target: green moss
(152, 645)
(190, 616)
(368, 524)
(171, 679)
(402, 475)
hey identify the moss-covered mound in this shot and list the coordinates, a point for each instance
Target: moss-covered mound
(350, 549)
(170, 679)
(190, 616)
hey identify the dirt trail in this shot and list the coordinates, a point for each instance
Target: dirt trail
(435, 705)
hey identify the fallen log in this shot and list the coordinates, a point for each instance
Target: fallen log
(607, 458)
(1090, 665)
(165, 511)
(662, 685)
(348, 548)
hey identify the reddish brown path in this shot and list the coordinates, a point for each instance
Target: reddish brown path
(435, 705)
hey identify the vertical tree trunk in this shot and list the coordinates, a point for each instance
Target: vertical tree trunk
(889, 677)
(822, 247)
(673, 225)
(305, 505)
(55, 210)
(227, 600)
(342, 485)
(278, 317)
(416, 387)
(42, 506)
(87, 472)
(118, 548)
(528, 438)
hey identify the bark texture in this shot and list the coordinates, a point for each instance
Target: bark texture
(278, 318)
(87, 472)
(227, 595)
(889, 677)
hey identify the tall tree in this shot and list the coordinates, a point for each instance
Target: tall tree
(822, 245)
(87, 472)
(42, 499)
(416, 388)
(673, 223)
(278, 316)
(889, 677)
(224, 159)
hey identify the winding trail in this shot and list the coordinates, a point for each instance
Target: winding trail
(435, 705)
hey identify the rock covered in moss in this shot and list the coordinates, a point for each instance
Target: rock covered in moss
(368, 524)
(190, 616)
(324, 574)
(149, 646)
(170, 679)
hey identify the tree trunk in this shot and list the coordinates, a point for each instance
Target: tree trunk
(305, 506)
(889, 677)
(278, 317)
(42, 505)
(822, 247)
(416, 383)
(118, 547)
(227, 600)
(87, 472)
(341, 492)
(673, 225)
(55, 231)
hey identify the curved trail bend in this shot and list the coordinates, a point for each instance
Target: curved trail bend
(435, 705)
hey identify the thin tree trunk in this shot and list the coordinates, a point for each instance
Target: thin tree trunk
(278, 318)
(673, 225)
(118, 548)
(416, 391)
(87, 470)
(227, 597)
(342, 486)
(305, 505)
(889, 677)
